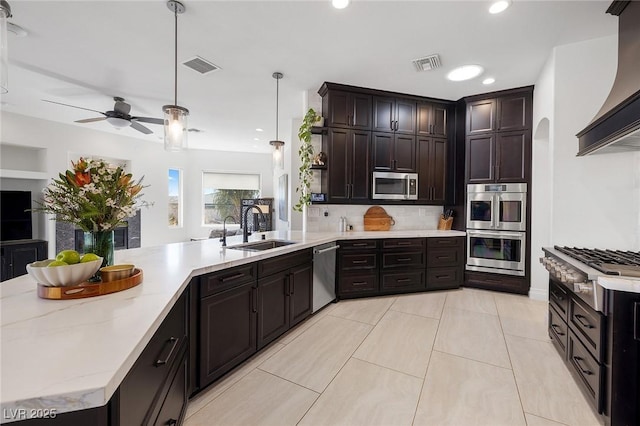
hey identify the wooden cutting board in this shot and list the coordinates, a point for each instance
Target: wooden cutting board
(377, 219)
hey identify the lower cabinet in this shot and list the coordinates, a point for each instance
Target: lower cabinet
(399, 265)
(16, 255)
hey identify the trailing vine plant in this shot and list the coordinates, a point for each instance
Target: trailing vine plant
(305, 152)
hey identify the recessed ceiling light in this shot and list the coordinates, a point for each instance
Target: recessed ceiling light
(259, 130)
(499, 6)
(489, 80)
(340, 4)
(465, 72)
(256, 139)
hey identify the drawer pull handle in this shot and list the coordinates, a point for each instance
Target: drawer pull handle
(404, 259)
(404, 243)
(578, 362)
(442, 257)
(403, 280)
(360, 245)
(231, 277)
(358, 262)
(174, 341)
(439, 277)
(556, 295)
(581, 319)
(557, 329)
(359, 283)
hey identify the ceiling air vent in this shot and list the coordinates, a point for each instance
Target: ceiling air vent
(427, 63)
(201, 65)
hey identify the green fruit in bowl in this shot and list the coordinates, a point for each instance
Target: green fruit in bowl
(57, 263)
(89, 257)
(70, 257)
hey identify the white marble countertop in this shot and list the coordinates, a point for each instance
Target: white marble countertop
(69, 355)
(620, 283)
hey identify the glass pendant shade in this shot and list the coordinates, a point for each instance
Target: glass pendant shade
(278, 154)
(5, 12)
(175, 127)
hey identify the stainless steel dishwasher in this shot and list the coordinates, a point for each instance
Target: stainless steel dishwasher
(324, 275)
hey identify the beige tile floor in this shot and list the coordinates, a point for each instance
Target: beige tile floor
(460, 357)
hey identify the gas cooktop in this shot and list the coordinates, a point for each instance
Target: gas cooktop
(610, 262)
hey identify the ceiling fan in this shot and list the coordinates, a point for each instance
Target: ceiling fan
(119, 117)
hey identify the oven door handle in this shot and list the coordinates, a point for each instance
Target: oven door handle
(499, 234)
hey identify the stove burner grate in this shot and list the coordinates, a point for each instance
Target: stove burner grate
(610, 262)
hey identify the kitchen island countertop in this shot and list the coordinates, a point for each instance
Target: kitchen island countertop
(70, 355)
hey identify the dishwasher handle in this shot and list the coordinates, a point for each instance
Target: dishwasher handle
(320, 251)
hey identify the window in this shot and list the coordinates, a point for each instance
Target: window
(222, 194)
(175, 198)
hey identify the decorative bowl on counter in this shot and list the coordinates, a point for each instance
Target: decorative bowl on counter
(62, 276)
(116, 272)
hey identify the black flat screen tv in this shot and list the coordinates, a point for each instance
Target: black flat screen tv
(15, 222)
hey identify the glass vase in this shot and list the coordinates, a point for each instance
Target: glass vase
(100, 243)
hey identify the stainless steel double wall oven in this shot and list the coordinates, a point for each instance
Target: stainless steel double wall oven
(496, 228)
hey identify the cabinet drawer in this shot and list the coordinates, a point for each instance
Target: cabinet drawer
(587, 370)
(413, 259)
(409, 280)
(558, 331)
(224, 280)
(588, 326)
(140, 387)
(444, 278)
(403, 243)
(451, 256)
(559, 298)
(350, 261)
(286, 261)
(358, 284)
(434, 243)
(358, 244)
(175, 402)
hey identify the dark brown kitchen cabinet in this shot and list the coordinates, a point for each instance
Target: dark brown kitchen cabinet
(480, 154)
(514, 112)
(432, 169)
(481, 116)
(431, 119)
(445, 263)
(357, 268)
(285, 294)
(347, 179)
(394, 115)
(347, 110)
(228, 322)
(16, 255)
(393, 152)
(500, 157)
(402, 263)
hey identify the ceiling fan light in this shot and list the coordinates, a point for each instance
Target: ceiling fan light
(175, 127)
(118, 122)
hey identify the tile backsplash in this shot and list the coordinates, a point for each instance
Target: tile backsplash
(406, 217)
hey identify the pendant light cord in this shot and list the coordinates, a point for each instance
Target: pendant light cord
(277, 103)
(175, 56)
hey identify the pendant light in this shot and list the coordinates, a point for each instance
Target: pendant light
(5, 13)
(278, 145)
(175, 117)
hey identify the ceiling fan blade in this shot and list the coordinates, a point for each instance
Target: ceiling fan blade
(91, 120)
(122, 107)
(139, 127)
(73, 106)
(149, 120)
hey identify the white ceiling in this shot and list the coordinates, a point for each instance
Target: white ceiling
(85, 52)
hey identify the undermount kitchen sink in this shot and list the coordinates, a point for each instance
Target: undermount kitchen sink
(262, 245)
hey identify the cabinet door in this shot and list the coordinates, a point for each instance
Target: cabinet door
(481, 116)
(273, 307)
(513, 156)
(404, 153)
(300, 293)
(383, 114)
(360, 176)
(480, 158)
(339, 164)
(16, 257)
(382, 148)
(227, 331)
(405, 116)
(438, 167)
(340, 107)
(513, 112)
(361, 115)
(439, 121)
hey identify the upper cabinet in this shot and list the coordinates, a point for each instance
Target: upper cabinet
(347, 110)
(431, 120)
(498, 137)
(394, 115)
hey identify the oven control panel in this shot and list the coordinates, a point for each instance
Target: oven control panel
(562, 272)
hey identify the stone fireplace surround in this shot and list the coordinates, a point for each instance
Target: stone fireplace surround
(66, 234)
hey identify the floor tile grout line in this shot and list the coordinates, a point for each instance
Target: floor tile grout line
(426, 373)
(543, 417)
(389, 368)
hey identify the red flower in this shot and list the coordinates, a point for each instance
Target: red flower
(82, 178)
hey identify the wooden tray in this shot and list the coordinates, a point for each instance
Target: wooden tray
(87, 289)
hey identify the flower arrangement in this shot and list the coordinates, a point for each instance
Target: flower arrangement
(96, 196)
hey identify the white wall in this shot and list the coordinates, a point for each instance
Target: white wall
(594, 200)
(149, 159)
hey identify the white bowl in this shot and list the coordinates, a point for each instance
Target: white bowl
(62, 276)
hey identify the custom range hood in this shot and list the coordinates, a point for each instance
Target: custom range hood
(616, 127)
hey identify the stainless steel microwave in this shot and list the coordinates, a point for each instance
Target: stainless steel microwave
(394, 186)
